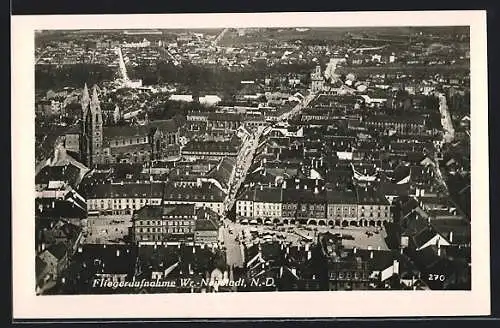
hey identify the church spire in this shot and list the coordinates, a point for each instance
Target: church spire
(116, 114)
(85, 99)
(95, 98)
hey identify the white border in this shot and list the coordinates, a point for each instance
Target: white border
(286, 305)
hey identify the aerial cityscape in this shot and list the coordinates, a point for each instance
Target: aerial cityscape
(252, 160)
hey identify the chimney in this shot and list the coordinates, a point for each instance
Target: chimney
(316, 190)
(371, 255)
(117, 252)
(297, 186)
(309, 255)
(307, 247)
(305, 187)
(451, 236)
(284, 184)
(395, 267)
(439, 250)
(355, 250)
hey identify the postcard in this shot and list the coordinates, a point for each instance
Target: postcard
(265, 165)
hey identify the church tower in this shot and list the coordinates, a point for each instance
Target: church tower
(96, 127)
(84, 144)
(91, 128)
(317, 81)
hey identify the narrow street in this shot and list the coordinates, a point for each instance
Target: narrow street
(448, 136)
(247, 153)
(446, 119)
(234, 256)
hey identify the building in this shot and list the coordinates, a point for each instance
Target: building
(404, 125)
(202, 195)
(224, 121)
(342, 208)
(267, 204)
(163, 223)
(123, 198)
(207, 227)
(121, 144)
(165, 136)
(373, 208)
(260, 203)
(91, 127)
(210, 149)
(317, 80)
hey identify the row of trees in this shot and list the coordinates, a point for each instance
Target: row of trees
(57, 77)
(196, 78)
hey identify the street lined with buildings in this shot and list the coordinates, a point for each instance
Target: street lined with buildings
(238, 154)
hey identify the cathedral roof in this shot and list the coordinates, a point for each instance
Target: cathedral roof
(115, 132)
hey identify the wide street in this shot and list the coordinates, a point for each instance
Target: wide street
(234, 256)
(109, 229)
(236, 234)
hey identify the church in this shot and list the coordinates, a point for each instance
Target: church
(99, 144)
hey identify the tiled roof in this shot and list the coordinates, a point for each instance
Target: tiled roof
(114, 132)
(382, 259)
(114, 258)
(222, 171)
(148, 212)
(178, 210)
(394, 189)
(397, 119)
(224, 117)
(424, 236)
(59, 250)
(370, 197)
(268, 195)
(69, 173)
(341, 197)
(127, 190)
(206, 225)
(163, 125)
(210, 146)
(40, 266)
(144, 147)
(205, 193)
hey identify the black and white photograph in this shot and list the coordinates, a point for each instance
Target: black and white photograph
(255, 157)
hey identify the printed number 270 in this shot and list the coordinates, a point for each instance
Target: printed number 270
(436, 277)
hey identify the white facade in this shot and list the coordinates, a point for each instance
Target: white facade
(110, 204)
(266, 210)
(244, 208)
